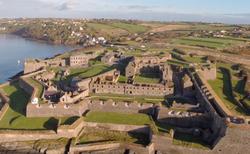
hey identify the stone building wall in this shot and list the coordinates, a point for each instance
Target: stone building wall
(56, 110)
(33, 65)
(132, 89)
(125, 107)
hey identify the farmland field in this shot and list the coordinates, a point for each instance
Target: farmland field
(214, 43)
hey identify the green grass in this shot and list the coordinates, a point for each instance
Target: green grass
(215, 43)
(189, 141)
(132, 28)
(15, 118)
(194, 59)
(146, 79)
(178, 63)
(122, 79)
(118, 118)
(87, 72)
(99, 26)
(37, 85)
(221, 86)
(100, 135)
(128, 98)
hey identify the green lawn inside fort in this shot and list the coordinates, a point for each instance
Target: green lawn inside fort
(228, 94)
(128, 98)
(147, 78)
(87, 72)
(15, 118)
(118, 118)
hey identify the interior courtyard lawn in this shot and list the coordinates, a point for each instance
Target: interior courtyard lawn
(15, 118)
(118, 118)
(146, 79)
(90, 71)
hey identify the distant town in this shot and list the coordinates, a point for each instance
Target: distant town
(129, 87)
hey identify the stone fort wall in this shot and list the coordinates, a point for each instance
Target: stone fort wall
(135, 89)
(217, 115)
(124, 107)
(56, 110)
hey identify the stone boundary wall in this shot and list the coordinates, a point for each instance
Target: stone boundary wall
(23, 135)
(71, 130)
(112, 146)
(56, 110)
(93, 147)
(126, 107)
(213, 107)
(119, 127)
(135, 89)
(4, 106)
(29, 135)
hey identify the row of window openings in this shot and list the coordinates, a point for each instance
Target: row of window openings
(134, 88)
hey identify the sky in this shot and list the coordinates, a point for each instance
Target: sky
(225, 11)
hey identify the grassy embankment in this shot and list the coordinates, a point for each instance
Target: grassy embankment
(118, 118)
(15, 118)
(227, 87)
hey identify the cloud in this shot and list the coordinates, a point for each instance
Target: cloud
(68, 5)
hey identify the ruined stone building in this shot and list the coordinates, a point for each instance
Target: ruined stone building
(150, 65)
(78, 60)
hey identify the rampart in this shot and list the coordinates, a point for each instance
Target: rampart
(217, 114)
(56, 110)
(125, 107)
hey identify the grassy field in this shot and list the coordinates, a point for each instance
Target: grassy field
(146, 79)
(118, 118)
(221, 86)
(214, 43)
(178, 63)
(15, 118)
(116, 97)
(132, 28)
(194, 59)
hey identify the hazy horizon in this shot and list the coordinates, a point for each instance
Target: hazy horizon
(223, 11)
